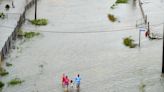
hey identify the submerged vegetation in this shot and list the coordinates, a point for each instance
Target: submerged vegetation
(8, 64)
(30, 34)
(2, 15)
(3, 72)
(118, 2)
(20, 33)
(112, 17)
(1, 84)
(15, 81)
(129, 42)
(39, 22)
(122, 1)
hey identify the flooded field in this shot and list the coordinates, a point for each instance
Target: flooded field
(80, 39)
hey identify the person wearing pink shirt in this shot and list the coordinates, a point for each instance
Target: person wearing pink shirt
(63, 80)
(67, 82)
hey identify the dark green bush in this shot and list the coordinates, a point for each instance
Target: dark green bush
(15, 81)
(8, 64)
(39, 22)
(1, 84)
(112, 17)
(3, 72)
(122, 1)
(2, 15)
(128, 41)
(21, 34)
(30, 34)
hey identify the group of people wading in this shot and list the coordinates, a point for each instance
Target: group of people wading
(66, 82)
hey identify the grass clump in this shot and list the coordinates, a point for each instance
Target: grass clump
(129, 42)
(121, 1)
(8, 64)
(118, 2)
(30, 34)
(21, 34)
(112, 17)
(2, 15)
(15, 81)
(1, 84)
(3, 72)
(39, 22)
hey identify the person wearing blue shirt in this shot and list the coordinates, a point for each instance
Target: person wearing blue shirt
(77, 81)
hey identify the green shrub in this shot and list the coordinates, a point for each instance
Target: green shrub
(15, 81)
(30, 34)
(3, 72)
(128, 41)
(2, 15)
(122, 1)
(1, 84)
(112, 17)
(8, 64)
(39, 22)
(21, 34)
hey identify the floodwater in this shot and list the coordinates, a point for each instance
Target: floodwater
(80, 39)
(8, 24)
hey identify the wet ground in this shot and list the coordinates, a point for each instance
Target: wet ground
(80, 39)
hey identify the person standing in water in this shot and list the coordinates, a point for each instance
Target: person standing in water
(67, 82)
(77, 81)
(63, 80)
(71, 83)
